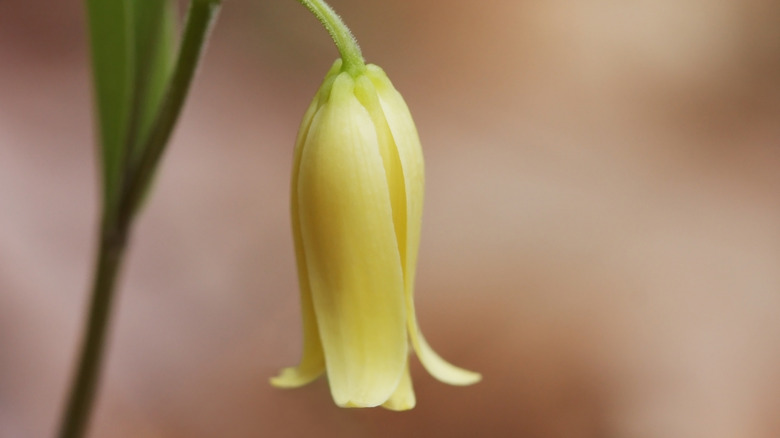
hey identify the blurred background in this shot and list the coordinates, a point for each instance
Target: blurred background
(601, 236)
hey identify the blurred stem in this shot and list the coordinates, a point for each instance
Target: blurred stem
(117, 220)
(111, 250)
(352, 57)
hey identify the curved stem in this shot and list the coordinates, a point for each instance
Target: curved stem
(352, 57)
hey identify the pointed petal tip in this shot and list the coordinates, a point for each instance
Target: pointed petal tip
(450, 374)
(403, 397)
(399, 407)
(439, 368)
(355, 404)
(466, 378)
(368, 395)
(292, 377)
(390, 404)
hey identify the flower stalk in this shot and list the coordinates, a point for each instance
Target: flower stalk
(347, 45)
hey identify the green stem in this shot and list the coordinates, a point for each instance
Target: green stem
(109, 260)
(117, 221)
(352, 57)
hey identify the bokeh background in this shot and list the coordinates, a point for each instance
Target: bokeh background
(601, 236)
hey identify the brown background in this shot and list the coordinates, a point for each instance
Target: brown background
(601, 236)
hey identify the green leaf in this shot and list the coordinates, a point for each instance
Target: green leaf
(200, 16)
(133, 46)
(155, 24)
(112, 65)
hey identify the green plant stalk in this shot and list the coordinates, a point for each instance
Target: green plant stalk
(351, 56)
(111, 248)
(117, 222)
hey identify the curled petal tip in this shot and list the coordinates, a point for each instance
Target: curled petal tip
(292, 377)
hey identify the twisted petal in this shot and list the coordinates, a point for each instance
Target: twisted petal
(407, 142)
(352, 256)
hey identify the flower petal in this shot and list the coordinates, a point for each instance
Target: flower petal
(438, 367)
(351, 252)
(407, 142)
(367, 95)
(403, 398)
(407, 146)
(312, 363)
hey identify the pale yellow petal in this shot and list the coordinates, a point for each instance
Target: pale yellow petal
(438, 367)
(312, 363)
(351, 253)
(295, 377)
(409, 152)
(403, 398)
(407, 142)
(367, 95)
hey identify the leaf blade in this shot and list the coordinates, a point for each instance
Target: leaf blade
(112, 69)
(155, 31)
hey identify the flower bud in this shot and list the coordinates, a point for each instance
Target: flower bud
(356, 203)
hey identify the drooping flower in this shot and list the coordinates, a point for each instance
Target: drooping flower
(357, 195)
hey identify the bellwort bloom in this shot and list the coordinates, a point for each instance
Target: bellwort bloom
(357, 195)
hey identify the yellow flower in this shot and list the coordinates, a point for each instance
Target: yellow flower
(357, 193)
